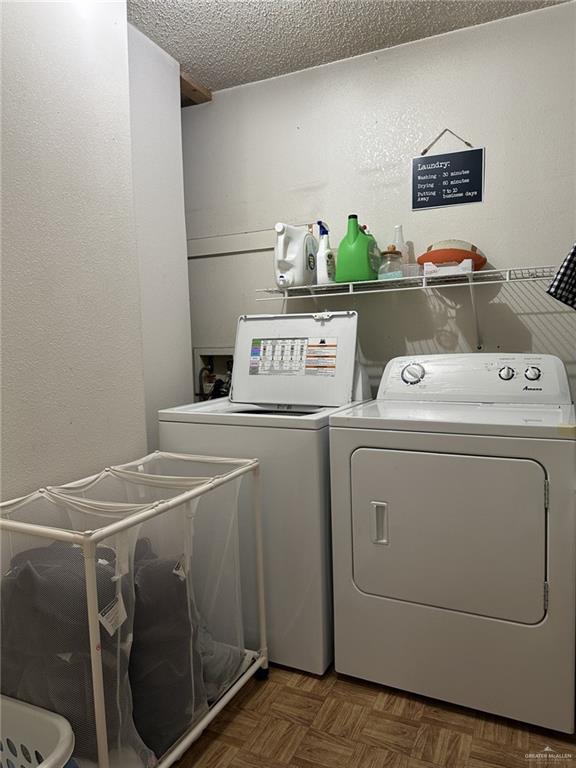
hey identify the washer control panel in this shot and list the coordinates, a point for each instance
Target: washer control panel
(531, 373)
(477, 378)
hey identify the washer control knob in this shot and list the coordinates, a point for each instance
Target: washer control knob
(506, 373)
(413, 373)
(532, 373)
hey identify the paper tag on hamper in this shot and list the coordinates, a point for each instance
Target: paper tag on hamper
(113, 615)
(180, 569)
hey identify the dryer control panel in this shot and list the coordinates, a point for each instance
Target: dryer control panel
(477, 378)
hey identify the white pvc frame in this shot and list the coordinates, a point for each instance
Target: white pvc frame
(88, 540)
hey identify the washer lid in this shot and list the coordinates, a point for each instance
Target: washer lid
(303, 359)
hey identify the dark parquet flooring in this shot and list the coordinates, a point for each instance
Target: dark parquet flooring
(294, 720)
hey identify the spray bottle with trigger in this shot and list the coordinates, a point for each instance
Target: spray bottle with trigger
(325, 262)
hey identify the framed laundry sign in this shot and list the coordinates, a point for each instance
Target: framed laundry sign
(454, 178)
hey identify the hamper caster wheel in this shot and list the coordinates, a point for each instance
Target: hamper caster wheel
(261, 673)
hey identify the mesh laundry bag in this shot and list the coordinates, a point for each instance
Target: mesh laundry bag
(181, 470)
(211, 537)
(186, 651)
(142, 575)
(46, 654)
(217, 572)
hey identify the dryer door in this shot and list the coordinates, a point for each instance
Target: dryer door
(465, 533)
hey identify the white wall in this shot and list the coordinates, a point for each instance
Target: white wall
(160, 227)
(337, 139)
(72, 385)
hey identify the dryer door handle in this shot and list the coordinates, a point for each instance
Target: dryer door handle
(379, 522)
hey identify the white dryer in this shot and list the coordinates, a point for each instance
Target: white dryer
(291, 372)
(454, 534)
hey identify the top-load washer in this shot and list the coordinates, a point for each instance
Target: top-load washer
(454, 534)
(291, 372)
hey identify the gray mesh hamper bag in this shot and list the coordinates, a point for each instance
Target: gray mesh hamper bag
(188, 644)
(46, 653)
(211, 538)
(183, 471)
(122, 605)
(166, 695)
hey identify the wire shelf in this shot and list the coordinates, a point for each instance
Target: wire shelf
(410, 283)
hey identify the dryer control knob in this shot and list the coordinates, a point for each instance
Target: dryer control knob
(532, 373)
(506, 373)
(413, 373)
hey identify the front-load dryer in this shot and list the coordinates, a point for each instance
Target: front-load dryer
(454, 534)
(291, 372)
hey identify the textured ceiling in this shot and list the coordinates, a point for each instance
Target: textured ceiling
(223, 43)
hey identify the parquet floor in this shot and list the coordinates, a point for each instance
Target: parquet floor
(299, 721)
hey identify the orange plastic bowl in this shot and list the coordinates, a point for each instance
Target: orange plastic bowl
(452, 252)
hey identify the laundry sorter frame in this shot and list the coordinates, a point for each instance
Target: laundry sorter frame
(89, 541)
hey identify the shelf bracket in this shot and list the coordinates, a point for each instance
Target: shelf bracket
(475, 313)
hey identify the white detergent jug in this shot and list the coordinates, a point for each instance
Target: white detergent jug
(294, 256)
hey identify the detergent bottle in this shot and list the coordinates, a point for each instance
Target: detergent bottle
(374, 253)
(294, 256)
(325, 262)
(353, 262)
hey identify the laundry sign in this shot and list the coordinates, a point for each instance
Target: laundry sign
(453, 178)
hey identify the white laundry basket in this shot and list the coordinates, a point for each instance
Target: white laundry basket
(33, 737)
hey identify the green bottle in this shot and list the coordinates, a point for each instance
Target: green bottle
(353, 262)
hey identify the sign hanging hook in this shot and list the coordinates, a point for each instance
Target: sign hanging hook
(446, 130)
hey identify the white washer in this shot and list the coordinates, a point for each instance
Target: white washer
(290, 373)
(453, 514)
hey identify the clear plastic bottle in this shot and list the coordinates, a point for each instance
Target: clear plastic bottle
(400, 243)
(391, 266)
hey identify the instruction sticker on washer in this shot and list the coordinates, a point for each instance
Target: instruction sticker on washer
(321, 357)
(304, 356)
(113, 615)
